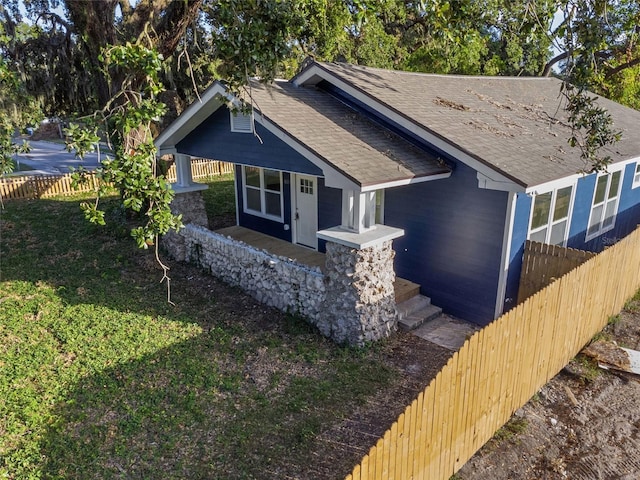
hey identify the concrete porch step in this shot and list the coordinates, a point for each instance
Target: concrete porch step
(414, 312)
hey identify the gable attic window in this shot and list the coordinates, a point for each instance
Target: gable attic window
(241, 122)
(605, 204)
(550, 217)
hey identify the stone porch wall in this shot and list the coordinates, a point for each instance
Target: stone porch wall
(354, 303)
(275, 281)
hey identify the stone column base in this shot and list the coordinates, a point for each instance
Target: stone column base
(191, 205)
(360, 298)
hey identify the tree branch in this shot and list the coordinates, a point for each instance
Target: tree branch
(613, 71)
(558, 58)
(55, 18)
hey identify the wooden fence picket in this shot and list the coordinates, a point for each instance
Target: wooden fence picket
(502, 366)
(44, 186)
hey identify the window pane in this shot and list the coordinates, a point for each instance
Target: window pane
(601, 187)
(306, 186)
(272, 180)
(252, 174)
(596, 217)
(636, 176)
(253, 200)
(615, 183)
(609, 214)
(540, 236)
(541, 210)
(272, 201)
(557, 233)
(563, 199)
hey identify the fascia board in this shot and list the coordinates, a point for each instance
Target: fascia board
(408, 181)
(571, 179)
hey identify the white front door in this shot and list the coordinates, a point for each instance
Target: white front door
(305, 210)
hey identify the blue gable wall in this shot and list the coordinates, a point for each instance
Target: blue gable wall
(213, 139)
(453, 241)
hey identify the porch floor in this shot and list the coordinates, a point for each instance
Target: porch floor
(404, 289)
(300, 254)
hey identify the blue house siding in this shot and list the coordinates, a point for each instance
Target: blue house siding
(580, 214)
(264, 225)
(519, 233)
(453, 241)
(329, 209)
(627, 219)
(213, 139)
(629, 209)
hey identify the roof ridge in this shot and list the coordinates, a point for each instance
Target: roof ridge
(442, 75)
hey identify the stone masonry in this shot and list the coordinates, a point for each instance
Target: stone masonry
(352, 303)
(191, 206)
(275, 281)
(360, 298)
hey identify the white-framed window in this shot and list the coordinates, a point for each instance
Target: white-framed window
(636, 176)
(604, 207)
(241, 122)
(550, 216)
(262, 192)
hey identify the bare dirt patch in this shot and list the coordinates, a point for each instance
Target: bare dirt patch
(584, 424)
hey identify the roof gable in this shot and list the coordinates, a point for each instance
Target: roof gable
(514, 126)
(351, 151)
(366, 153)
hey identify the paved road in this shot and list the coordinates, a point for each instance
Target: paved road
(53, 158)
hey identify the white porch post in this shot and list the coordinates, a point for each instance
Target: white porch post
(358, 211)
(184, 178)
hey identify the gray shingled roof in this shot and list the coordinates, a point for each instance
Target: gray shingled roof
(515, 125)
(363, 151)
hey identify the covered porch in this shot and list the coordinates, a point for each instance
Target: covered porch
(404, 289)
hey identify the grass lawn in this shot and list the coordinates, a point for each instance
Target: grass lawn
(101, 378)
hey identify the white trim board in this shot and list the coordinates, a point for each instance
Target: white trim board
(507, 239)
(566, 181)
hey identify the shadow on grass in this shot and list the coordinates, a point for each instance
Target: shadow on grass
(179, 413)
(110, 381)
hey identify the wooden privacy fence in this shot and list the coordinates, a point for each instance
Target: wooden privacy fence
(543, 263)
(501, 367)
(41, 186)
(202, 168)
